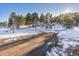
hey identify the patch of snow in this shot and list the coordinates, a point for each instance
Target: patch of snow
(72, 34)
(7, 32)
(76, 28)
(49, 43)
(48, 53)
(55, 28)
(23, 26)
(67, 38)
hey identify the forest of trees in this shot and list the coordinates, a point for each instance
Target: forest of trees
(30, 19)
(68, 20)
(3, 23)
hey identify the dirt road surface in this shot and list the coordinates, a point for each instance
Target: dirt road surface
(24, 48)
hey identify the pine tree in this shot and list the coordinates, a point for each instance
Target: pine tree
(12, 21)
(28, 19)
(76, 18)
(42, 18)
(35, 19)
(48, 19)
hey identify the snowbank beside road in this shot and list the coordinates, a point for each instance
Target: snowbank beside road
(7, 32)
(67, 38)
(70, 33)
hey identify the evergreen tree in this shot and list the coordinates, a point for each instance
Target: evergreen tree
(12, 20)
(48, 19)
(28, 19)
(76, 19)
(10, 23)
(35, 19)
(19, 21)
(42, 18)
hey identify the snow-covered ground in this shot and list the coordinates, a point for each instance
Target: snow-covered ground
(7, 32)
(6, 35)
(67, 38)
(55, 28)
(29, 31)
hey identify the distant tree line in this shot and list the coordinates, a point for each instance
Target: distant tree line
(68, 20)
(30, 19)
(3, 24)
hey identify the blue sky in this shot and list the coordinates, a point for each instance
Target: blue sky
(24, 8)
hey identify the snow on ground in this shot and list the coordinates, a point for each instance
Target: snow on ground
(70, 33)
(67, 38)
(23, 31)
(7, 32)
(29, 31)
(6, 35)
(55, 27)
